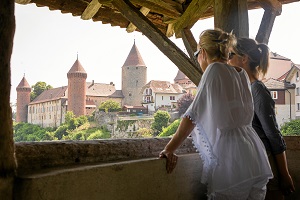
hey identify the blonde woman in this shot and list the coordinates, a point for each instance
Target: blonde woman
(235, 164)
(254, 58)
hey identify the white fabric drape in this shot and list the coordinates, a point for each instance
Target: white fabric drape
(222, 111)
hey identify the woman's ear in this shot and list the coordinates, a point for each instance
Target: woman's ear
(245, 59)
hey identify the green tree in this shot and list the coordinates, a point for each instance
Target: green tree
(184, 102)
(161, 119)
(24, 132)
(73, 122)
(38, 88)
(109, 106)
(291, 128)
(99, 134)
(171, 129)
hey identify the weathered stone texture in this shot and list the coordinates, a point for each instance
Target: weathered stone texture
(43, 155)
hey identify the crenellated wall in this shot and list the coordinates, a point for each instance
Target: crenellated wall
(116, 170)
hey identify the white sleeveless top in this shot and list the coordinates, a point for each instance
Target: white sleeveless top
(222, 111)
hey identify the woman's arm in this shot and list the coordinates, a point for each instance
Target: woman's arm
(287, 185)
(185, 128)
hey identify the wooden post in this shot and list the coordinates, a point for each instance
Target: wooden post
(7, 159)
(232, 15)
(265, 27)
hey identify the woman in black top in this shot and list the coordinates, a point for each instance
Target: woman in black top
(254, 58)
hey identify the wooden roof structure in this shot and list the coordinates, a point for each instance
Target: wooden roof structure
(161, 19)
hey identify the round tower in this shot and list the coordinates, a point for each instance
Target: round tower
(134, 77)
(77, 89)
(23, 99)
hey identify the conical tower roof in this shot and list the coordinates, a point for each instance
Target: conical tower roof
(134, 58)
(23, 83)
(77, 68)
(180, 76)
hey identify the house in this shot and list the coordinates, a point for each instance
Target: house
(292, 77)
(161, 95)
(283, 94)
(278, 66)
(185, 83)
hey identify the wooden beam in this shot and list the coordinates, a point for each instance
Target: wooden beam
(7, 149)
(265, 27)
(131, 27)
(190, 45)
(273, 5)
(191, 15)
(232, 15)
(24, 2)
(170, 30)
(91, 10)
(162, 42)
(166, 8)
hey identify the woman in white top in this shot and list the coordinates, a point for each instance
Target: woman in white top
(235, 164)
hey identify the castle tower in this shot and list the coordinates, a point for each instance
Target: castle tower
(77, 89)
(134, 77)
(23, 99)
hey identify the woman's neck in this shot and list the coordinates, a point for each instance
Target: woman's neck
(253, 77)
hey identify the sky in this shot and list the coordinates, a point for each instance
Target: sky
(47, 43)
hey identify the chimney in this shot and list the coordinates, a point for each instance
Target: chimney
(93, 82)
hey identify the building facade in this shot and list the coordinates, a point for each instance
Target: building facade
(161, 95)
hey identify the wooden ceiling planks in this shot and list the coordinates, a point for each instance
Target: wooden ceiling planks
(173, 15)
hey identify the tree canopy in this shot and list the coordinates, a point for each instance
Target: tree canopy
(38, 88)
(184, 102)
(109, 106)
(161, 119)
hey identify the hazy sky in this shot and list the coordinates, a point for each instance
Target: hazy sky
(46, 44)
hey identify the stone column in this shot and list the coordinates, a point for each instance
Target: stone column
(7, 150)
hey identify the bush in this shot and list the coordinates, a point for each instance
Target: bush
(144, 133)
(99, 134)
(170, 130)
(161, 119)
(291, 128)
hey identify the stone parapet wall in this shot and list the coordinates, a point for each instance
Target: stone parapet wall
(32, 156)
(117, 169)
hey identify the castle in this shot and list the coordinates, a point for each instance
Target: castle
(82, 97)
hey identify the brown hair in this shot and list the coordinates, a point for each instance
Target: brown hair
(258, 54)
(216, 43)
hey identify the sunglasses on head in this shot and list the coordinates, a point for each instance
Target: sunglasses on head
(197, 52)
(230, 55)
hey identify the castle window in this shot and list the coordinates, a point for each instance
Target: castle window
(162, 97)
(172, 98)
